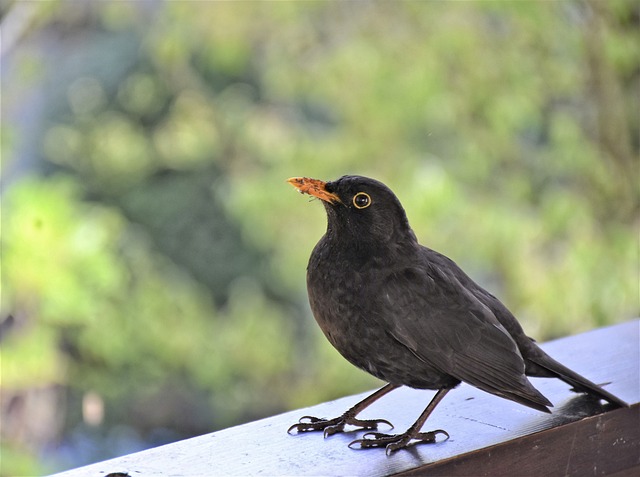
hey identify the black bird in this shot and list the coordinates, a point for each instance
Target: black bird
(410, 316)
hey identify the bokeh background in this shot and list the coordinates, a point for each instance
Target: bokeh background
(153, 256)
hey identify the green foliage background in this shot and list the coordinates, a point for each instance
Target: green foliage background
(153, 254)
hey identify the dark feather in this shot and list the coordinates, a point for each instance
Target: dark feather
(410, 315)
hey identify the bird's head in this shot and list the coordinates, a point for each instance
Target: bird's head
(359, 210)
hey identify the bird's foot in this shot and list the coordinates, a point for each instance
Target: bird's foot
(394, 442)
(333, 426)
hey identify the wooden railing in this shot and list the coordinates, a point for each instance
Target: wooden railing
(489, 435)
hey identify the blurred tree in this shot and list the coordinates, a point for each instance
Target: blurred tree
(153, 257)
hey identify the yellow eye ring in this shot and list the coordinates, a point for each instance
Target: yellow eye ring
(361, 200)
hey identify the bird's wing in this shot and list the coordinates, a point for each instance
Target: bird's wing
(430, 312)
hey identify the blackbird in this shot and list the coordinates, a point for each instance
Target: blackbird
(410, 316)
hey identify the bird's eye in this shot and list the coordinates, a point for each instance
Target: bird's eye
(361, 200)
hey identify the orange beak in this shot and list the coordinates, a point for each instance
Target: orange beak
(314, 187)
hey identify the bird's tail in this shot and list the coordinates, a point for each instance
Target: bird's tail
(579, 383)
(529, 396)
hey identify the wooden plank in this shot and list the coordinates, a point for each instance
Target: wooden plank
(604, 444)
(577, 439)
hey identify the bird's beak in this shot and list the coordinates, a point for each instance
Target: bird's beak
(314, 187)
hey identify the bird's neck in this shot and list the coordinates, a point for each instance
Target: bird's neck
(358, 250)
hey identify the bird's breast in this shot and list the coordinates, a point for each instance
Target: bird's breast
(340, 294)
(346, 299)
(349, 305)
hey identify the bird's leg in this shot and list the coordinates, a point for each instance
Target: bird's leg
(333, 426)
(412, 436)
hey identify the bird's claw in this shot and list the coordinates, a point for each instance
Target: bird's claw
(394, 442)
(310, 423)
(336, 425)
